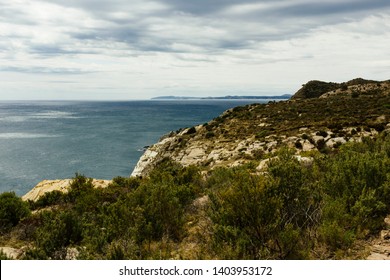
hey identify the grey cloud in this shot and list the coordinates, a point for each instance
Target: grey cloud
(289, 8)
(316, 9)
(287, 19)
(104, 5)
(206, 6)
(10, 13)
(54, 50)
(44, 70)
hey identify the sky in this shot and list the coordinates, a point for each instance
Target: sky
(138, 49)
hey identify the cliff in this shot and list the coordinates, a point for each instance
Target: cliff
(320, 116)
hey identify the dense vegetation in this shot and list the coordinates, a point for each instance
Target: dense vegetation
(287, 117)
(322, 210)
(314, 89)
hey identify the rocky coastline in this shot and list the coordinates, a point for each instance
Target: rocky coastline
(308, 124)
(229, 141)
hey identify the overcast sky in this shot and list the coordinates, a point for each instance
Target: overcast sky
(137, 49)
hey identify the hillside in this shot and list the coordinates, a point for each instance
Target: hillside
(358, 86)
(306, 178)
(341, 113)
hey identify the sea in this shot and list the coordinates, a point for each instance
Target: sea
(100, 139)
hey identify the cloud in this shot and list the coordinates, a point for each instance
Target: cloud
(204, 39)
(44, 70)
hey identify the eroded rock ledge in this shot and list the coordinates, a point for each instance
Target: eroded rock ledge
(58, 185)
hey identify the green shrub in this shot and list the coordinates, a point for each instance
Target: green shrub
(322, 133)
(48, 199)
(12, 210)
(58, 230)
(245, 217)
(335, 236)
(191, 130)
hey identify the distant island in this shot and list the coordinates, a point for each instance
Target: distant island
(235, 97)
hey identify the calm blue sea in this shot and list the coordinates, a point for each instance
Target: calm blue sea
(56, 139)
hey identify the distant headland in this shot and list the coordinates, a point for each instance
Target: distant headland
(235, 97)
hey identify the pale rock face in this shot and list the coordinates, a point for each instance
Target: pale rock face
(11, 253)
(263, 165)
(220, 151)
(194, 155)
(58, 185)
(331, 142)
(214, 155)
(317, 138)
(306, 161)
(47, 186)
(146, 159)
(387, 222)
(307, 146)
(151, 155)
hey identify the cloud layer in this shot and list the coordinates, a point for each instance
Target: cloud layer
(122, 49)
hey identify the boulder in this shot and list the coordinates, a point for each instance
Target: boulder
(337, 140)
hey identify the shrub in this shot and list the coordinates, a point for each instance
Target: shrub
(322, 133)
(58, 230)
(48, 199)
(191, 130)
(355, 94)
(298, 145)
(12, 210)
(245, 217)
(209, 135)
(305, 136)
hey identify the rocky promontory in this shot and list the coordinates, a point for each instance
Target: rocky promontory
(319, 117)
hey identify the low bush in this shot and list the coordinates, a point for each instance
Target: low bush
(12, 210)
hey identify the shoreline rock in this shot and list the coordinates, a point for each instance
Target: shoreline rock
(58, 185)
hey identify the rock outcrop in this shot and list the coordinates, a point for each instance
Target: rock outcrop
(381, 248)
(12, 253)
(58, 185)
(232, 152)
(319, 117)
